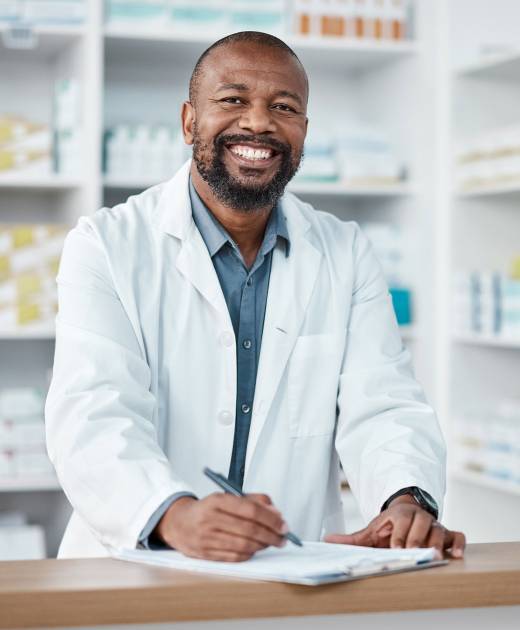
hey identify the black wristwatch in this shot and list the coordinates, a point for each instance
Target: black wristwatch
(425, 500)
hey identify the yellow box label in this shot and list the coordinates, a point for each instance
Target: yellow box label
(22, 236)
(28, 313)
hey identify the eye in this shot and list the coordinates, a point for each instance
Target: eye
(232, 100)
(284, 107)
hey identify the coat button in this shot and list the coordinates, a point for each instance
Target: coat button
(225, 417)
(226, 339)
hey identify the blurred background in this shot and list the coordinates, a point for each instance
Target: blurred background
(414, 132)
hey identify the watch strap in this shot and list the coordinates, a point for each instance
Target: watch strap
(422, 498)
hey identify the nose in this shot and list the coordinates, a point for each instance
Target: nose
(257, 119)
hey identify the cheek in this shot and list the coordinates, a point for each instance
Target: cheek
(212, 124)
(295, 136)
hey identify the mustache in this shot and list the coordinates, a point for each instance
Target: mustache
(280, 147)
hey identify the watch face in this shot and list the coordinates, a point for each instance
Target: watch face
(426, 500)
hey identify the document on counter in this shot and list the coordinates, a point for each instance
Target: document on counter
(314, 563)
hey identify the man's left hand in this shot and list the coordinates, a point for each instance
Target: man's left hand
(405, 524)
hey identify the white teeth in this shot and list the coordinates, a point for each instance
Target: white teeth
(250, 153)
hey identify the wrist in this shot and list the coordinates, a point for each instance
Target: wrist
(403, 498)
(171, 519)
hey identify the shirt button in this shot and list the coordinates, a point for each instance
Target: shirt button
(225, 417)
(226, 339)
(246, 408)
(249, 282)
(247, 343)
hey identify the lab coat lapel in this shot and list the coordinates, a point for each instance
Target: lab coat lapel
(291, 284)
(195, 264)
(174, 216)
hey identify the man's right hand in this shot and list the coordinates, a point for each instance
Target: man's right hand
(222, 527)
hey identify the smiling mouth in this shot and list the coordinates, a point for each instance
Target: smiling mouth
(252, 155)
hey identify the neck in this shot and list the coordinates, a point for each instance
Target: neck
(245, 228)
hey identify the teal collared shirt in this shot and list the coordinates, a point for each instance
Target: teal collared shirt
(245, 291)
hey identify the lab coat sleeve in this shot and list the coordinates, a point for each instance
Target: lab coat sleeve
(387, 435)
(100, 412)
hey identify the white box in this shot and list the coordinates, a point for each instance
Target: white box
(6, 463)
(27, 464)
(21, 402)
(26, 542)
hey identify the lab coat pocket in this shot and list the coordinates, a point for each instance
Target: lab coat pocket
(313, 379)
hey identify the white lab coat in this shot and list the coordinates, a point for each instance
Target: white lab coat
(144, 383)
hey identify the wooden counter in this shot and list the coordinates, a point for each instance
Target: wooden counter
(54, 593)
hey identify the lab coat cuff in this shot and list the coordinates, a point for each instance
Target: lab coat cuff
(146, 539)
(142, 516)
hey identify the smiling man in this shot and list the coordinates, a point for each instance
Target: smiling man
(216, 320)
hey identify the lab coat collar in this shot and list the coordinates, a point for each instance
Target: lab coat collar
(173, 212)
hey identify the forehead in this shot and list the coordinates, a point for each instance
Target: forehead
(256, 65)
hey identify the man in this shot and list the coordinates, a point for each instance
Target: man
(216, 320)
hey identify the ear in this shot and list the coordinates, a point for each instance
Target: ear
(187, 121)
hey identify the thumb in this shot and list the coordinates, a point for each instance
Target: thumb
(361, 537)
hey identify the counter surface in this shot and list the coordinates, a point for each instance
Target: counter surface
(53, 593)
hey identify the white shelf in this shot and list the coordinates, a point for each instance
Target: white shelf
(134, 184)
(500, 67)
(29, 484)
(335, 54)
(491, 191)
(38, 183)
(326, 189)
(484, 481)
(486, 340)
(338, 189)
(50, 41)
(29, 334)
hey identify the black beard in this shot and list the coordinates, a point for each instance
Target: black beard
(236, 195)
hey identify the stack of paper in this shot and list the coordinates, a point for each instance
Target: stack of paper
(314, 563)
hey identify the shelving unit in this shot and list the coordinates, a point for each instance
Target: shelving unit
(143, 77)
(27, 355)
(481, 228)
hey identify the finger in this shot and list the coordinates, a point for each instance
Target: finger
(420, 529)
(364, 537)
(223, 541)
(237, 526)
(401, 527)
(260, 498)
(436, 538)
(253, 511)
(455, 542)
(264, 499)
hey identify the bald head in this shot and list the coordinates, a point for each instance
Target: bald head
(255, 38)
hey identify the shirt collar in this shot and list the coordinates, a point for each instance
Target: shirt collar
(215, 236)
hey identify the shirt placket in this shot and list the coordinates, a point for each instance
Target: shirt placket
(246, 371)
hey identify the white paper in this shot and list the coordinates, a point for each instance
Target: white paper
(313, 563)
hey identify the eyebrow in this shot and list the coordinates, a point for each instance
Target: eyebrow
(242, 87)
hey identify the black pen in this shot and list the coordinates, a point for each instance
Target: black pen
(227, 486)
